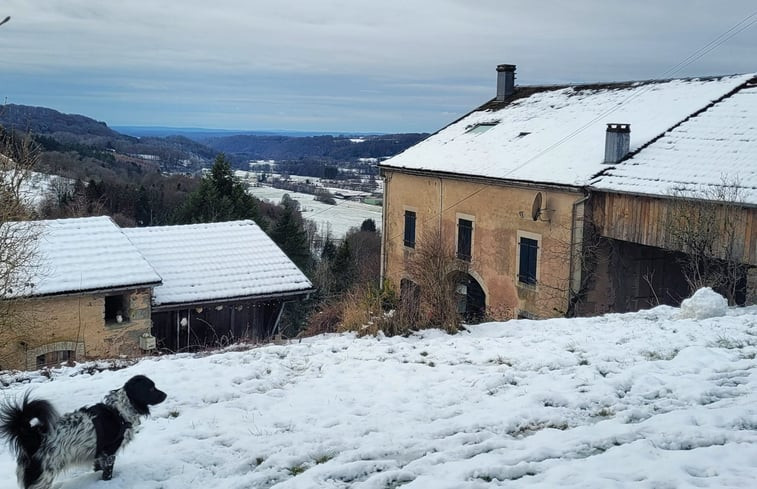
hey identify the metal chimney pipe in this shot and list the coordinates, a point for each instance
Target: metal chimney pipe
(505, 81)
(617, 142)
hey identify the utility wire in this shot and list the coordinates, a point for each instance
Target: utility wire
(739, 27)
(745, 23)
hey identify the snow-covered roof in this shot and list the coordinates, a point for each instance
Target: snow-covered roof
(556, 135)
(88, 253)
(206, 262)
(714, 148)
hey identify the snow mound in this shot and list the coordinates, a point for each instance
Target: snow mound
(705, 303)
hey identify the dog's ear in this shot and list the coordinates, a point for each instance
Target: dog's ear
(142, 393)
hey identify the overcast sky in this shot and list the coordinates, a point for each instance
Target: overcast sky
(343, 65)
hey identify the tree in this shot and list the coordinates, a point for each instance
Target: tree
(18, 250)
(368, 225)
(290, 235)
(707, 226)
(220, 197)
(365, 246)
(436, 272)
(343, 267)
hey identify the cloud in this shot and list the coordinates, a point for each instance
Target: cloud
(419, 60)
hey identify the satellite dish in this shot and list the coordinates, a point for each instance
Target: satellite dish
(536, 207)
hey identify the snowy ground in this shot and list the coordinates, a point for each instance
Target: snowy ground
(338, 218)
(658, 399)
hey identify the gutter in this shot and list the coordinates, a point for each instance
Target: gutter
(574, 277)
(385, 234)
(485, 180)
(105, 291)
(293, 295)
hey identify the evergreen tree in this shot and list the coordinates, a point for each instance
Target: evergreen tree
(343, 267)
(368, 225)
(221, 197)
(143, 212)
(329, 249)
(290, 235)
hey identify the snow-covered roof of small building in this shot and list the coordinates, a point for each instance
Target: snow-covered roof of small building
(207, 262)
(556, 135)
(706, 156)
(81, 254)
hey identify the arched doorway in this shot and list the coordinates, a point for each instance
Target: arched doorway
(471, 298)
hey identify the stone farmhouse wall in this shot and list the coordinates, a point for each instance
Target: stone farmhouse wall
(73, 323)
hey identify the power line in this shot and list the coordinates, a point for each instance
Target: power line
(739, 27)
(717, 41)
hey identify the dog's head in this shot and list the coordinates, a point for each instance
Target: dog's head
(142, 393)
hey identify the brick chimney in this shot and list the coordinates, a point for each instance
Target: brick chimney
(617, 142)
(505, 81)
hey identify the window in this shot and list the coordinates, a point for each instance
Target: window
(481, 127)
(410, 229)
(116, 308)
(53, 354)
(527, 260)
(54, 358)
(464, 238)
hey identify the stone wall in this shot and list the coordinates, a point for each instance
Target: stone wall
(76, 323)
(501, 215)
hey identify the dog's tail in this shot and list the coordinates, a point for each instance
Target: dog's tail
(25, 425)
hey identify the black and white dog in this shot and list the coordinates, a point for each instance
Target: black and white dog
(46, 444)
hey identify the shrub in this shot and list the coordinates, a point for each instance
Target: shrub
(325, 196)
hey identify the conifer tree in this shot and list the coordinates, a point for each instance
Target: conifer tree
(221, 197)
(290, 235)
(343, 268)
(368, 225)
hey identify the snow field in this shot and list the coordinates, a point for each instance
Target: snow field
(654, 399)
(337, 218)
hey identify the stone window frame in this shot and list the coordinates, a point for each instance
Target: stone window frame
(410, 227)
(32, 353)
(537, 275)
(459, 234)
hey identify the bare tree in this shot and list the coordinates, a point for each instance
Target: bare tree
(17, 239)
(437, 272)
(707, 225)
(576, 244)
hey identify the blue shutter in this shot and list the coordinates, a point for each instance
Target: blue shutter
(527, 271)
(464, 239)
(410, 229)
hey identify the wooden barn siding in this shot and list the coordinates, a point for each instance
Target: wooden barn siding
(211, 327)
(642, 220)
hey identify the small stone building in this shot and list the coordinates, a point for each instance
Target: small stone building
(87, 294)
(94, 290)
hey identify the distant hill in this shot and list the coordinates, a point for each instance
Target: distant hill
(41, 120)
(333, 148)
(202, 134)
(189, 149)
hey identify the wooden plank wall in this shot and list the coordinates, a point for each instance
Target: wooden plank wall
(644, 220)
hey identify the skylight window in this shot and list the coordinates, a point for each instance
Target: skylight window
(481, 127)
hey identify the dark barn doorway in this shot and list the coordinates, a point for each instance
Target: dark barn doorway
(214, 325)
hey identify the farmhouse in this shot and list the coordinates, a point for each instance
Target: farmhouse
(94, 290)
(512, 188)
